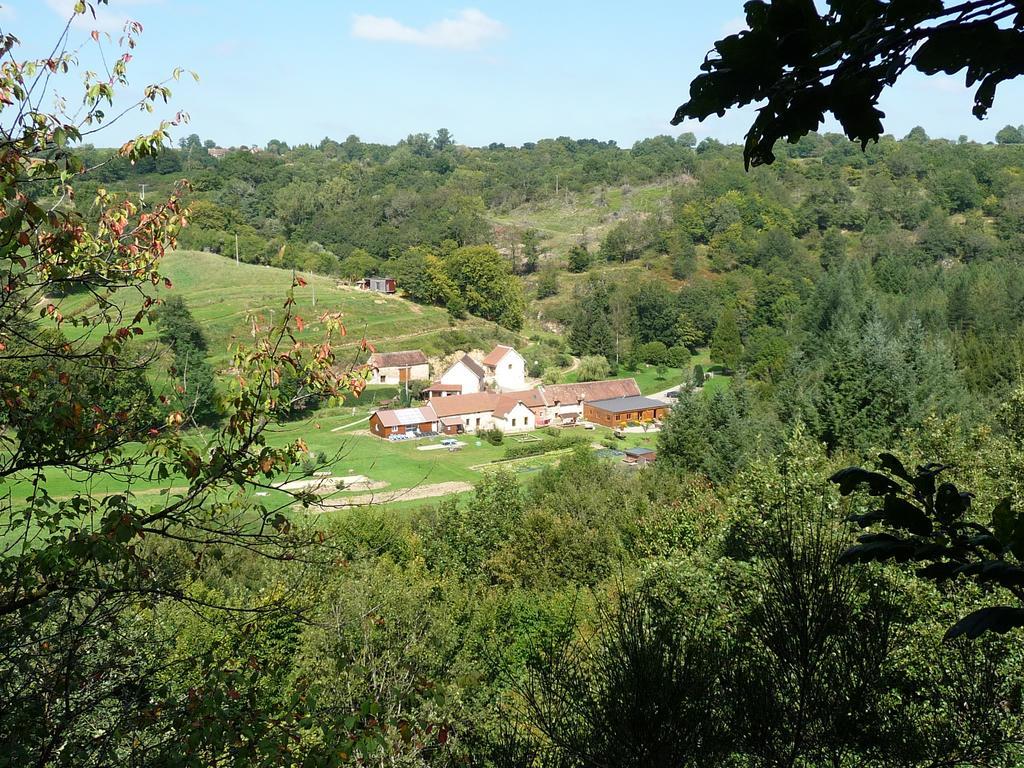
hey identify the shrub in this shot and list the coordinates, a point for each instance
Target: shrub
(493, 436)
(522, 450)
(698, 375)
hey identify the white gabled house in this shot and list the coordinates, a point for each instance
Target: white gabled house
(465, 373)
(512, 415)
(506, 368)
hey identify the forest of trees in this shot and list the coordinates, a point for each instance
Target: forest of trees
(725, 606)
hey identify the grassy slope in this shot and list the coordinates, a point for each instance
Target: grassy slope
(223, 297)
(565, 221)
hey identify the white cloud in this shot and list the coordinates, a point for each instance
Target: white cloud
(467, 31)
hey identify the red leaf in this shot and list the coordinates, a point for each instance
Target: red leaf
(300, 323)
(299, 280)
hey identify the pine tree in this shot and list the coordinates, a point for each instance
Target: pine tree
(726, 345)
(687, 332)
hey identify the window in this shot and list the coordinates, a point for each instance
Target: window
(513, 422)
(383, 379)
(510, 366)
(477, 421)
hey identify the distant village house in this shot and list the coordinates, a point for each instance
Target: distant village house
(505, 368)
(398, 367)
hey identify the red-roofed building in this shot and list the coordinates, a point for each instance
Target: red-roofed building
(398, 367)
(506, 368)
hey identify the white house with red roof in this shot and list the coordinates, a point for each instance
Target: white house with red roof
(465, 373)
(505, 368)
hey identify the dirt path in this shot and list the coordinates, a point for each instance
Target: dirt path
(346, 426)
(402, 494)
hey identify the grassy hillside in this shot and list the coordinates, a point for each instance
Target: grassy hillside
(568, 219)
(224, 296)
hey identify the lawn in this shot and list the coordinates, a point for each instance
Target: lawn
(224, 297)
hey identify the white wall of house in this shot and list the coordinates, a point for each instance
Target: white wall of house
(473, 422)
(519, 419)
(565, 411)
(510, 372)
(460, 373)
(392, 374)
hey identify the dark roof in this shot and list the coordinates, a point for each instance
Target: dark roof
(639, 451)
(473, 365)
(397, 359)
(623, 404)
(588, 391)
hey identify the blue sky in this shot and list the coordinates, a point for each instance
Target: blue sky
(488, 71)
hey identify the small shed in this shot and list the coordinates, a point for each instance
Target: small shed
(640, 456)
(382, 284)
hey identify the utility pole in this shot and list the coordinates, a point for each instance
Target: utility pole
(236, 249)
(142, 193)
(313, 286)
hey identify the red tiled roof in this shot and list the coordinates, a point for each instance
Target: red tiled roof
(457, 405)
(531, 398)
(588, 391)
(495, 355)
(397, 359)
(437, 386)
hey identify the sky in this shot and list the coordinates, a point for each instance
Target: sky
(506, 72)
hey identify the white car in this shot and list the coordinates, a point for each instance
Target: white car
(450, 441)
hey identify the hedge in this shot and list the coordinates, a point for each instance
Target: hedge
(522, 450)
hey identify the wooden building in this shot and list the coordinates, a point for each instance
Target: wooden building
(401, 421)
(619, 411)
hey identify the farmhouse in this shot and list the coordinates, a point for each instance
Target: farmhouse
(565, 401)
(605, 402)
(466, 373)
(403, 421)
(512, 414)
(475, 411)
(621, 410)
(505, 368)
(398, 367)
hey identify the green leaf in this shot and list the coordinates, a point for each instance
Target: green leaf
(1000, 619)
(851, 478)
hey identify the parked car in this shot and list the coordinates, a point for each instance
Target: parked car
(588, 425)
(450, 441)
(672, 393)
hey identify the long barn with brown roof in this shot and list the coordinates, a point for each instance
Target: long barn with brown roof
(399, 367)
